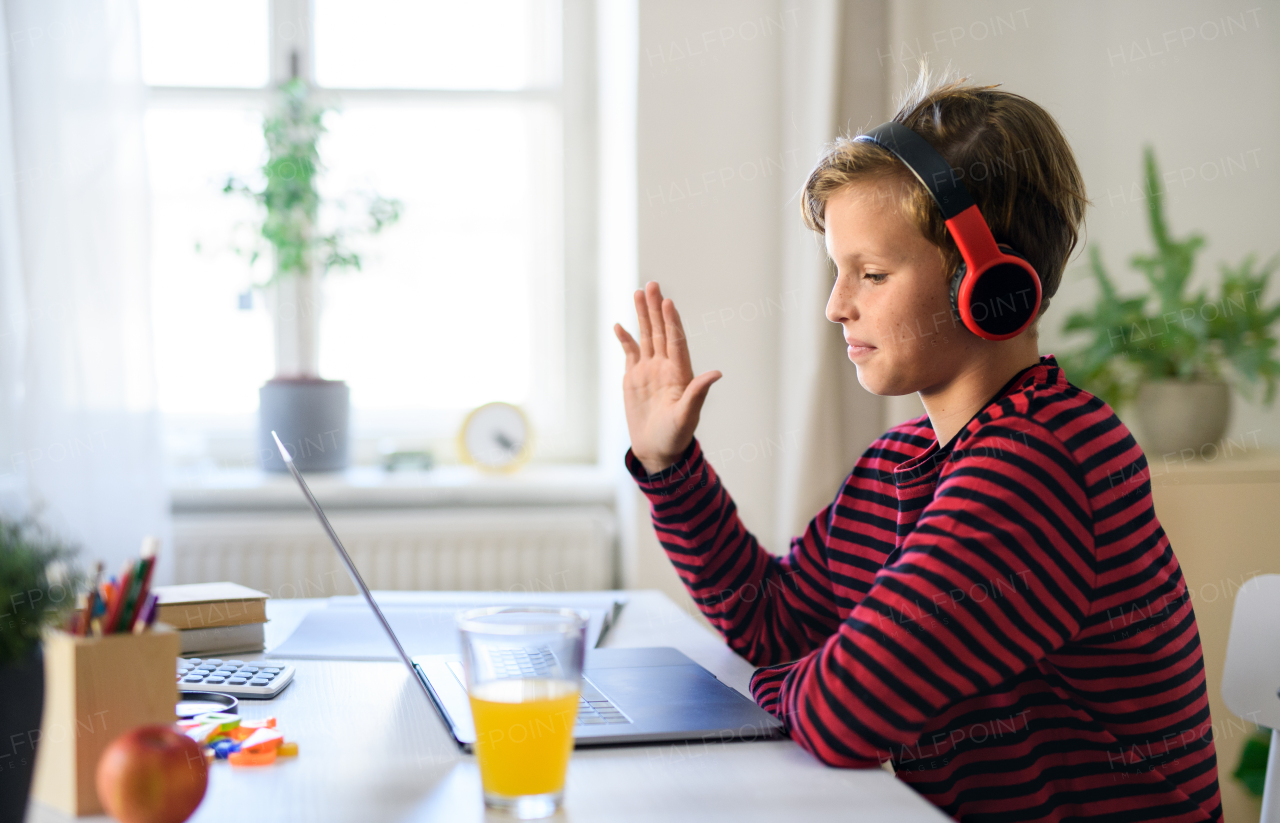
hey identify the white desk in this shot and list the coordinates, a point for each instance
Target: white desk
(372, 748)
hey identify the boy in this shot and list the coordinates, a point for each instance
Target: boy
(989, 602)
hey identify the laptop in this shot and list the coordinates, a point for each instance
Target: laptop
(629, 696)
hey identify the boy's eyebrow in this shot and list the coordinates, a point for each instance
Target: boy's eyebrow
(871, 256)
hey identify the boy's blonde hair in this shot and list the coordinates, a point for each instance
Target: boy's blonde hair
(1008, 151)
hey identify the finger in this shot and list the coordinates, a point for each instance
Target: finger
(696, 393)
(642, 316)
(677, 343)
(628, 345)
(653, 295)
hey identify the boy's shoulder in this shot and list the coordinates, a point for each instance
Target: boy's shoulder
(1067, 421)
(1045, 400)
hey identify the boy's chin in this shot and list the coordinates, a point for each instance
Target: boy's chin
(871, 384)
(880, 384)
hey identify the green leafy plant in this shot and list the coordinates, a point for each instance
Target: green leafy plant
(1169, 333)
(291, 199)
(38, 585)
(1252, 771)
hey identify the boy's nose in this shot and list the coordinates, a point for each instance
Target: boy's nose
(841, 306)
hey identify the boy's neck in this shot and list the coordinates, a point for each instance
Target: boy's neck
(952, 405)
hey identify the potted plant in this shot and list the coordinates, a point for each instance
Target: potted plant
(310, 414)
(37, 588)
(1172, 354)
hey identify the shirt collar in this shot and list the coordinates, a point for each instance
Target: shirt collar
(923, 464)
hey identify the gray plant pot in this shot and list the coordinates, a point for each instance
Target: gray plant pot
(1177, 415)
(312, 418)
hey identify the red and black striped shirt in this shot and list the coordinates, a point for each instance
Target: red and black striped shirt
(1001, 617)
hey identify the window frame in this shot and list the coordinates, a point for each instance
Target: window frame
(565, 391)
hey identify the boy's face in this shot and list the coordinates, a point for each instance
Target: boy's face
(891, 294)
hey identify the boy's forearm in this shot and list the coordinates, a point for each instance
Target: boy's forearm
(746, 593)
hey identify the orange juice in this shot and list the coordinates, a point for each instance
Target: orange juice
(524, 734)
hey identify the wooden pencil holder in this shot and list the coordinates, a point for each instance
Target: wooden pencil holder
(97, 688)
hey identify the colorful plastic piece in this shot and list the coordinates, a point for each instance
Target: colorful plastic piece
(240, 733)
(264, 723)
(224, 736)
(261, 740)
(201, 734)
(252, 758)
(225, 720)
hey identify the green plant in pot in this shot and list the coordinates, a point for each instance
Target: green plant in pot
(1171, 354)
(310, 414)
(37, 589)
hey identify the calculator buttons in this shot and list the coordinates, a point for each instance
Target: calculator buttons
(232, 677)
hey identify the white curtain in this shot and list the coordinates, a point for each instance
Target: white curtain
(78, 419)
(833, 84)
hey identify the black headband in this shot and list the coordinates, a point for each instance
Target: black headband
(925, 163)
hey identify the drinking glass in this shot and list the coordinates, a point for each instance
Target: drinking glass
(524, 674)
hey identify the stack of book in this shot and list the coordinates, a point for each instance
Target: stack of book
(214, 618)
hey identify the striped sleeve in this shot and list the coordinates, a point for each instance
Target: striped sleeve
(998, 573)
(769, 609)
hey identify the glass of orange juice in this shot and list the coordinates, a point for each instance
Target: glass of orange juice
(524, 674)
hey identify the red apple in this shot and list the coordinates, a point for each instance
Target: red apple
(152, 774)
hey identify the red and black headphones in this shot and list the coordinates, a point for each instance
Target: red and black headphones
(996, 291)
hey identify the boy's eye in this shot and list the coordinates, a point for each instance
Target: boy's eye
(875, 277)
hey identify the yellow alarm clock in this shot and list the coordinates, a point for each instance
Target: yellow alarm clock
(495, 437)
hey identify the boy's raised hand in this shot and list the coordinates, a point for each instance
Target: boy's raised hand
(663, 399)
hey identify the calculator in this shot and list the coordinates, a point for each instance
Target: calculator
(235, 677)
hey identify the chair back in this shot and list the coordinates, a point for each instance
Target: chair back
(1251, 674)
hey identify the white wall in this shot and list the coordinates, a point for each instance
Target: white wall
(708, 167)
(709, 200)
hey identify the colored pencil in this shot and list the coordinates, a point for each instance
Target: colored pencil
(147, 614)
(91, 602)
(130, 595)
(150, 548)
(117, 600)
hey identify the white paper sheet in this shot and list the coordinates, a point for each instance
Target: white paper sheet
(424, 622)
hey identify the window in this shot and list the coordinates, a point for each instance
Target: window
(483, 291)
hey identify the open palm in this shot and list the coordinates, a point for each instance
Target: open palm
(662, 397)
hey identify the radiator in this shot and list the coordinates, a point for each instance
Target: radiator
(288, 554)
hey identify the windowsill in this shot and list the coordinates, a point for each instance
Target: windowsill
(366, 487)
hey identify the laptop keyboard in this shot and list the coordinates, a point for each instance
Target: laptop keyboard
(537, 661)
(594, 709)
(598, 712)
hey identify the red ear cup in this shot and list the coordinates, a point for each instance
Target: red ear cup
(999, 300)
